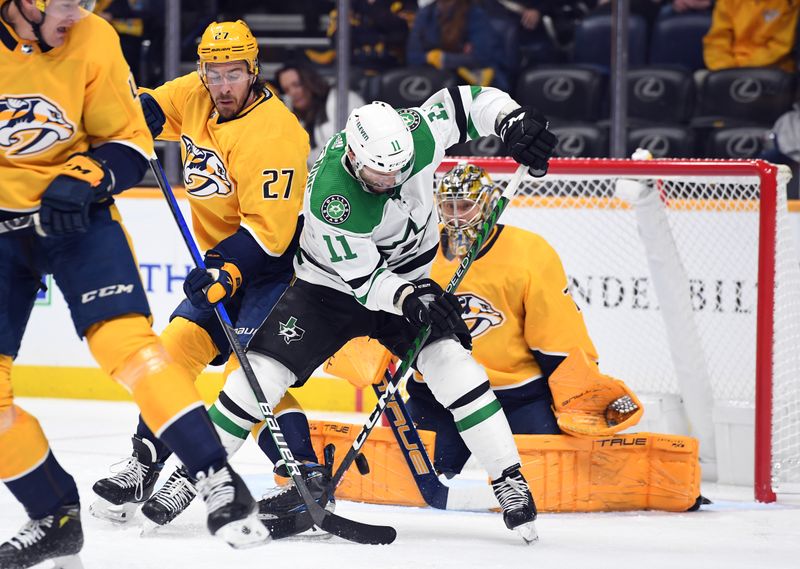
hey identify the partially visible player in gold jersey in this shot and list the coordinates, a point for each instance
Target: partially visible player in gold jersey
(244, 168)
(72, 135)
(517, 305)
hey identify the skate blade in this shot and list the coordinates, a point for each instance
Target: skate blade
(149, 528)
(244, 533)
(528, 532)
(66, 562)
(105, 510)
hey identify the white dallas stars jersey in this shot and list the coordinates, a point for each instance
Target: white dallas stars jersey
(372, 245)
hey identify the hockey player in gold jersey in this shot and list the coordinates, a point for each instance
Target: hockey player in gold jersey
(72, 135)
(244, 169)
(516, 303)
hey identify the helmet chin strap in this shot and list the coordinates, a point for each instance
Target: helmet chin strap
(35, 26)
(353, 169)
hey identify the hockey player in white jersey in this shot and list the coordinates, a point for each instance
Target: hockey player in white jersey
(370, 237)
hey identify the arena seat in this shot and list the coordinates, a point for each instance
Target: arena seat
(569, 92)
(678, 40)
(660, 94)
(735, 142)
(663, 141)
(580, 140)
(483, 146)
(407, 87)
(744, 96)
(593, 41)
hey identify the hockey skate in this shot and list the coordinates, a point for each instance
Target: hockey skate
(231, 508)
(122, 493)
(519, 509)
(170, 500)
(57, 537)
(282, 509)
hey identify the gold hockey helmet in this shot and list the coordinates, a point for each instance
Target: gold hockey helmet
(65, 8)
(227, 41)
(464, 198)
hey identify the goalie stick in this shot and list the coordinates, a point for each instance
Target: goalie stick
(393, 381)
(336, 525)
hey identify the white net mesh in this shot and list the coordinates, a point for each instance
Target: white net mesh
(714, 219)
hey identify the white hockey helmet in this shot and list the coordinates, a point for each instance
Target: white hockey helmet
(382, 146)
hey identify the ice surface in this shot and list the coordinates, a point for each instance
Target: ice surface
(735, 532)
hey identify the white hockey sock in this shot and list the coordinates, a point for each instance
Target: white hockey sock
(232, 430)
(484, 428)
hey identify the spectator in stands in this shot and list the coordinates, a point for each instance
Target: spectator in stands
(648, 9)
(681, 6)
(135, 21)
(313, 101)
(545, 28)
(752, 33)
(378, 34)
(453, 34)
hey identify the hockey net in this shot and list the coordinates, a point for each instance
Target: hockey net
(697, 296)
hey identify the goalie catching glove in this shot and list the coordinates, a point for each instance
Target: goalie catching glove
(217, 282)
(588, 403)
(65, 205)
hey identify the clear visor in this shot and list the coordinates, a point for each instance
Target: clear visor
(384, 181)
(68, 9)
(214, 76)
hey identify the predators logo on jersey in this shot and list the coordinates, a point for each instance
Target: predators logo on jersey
(31, 124)
(479, 314)
(204, 173)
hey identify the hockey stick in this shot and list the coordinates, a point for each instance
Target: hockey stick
(336, 525)
(393, 383)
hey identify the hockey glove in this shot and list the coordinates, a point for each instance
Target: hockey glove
(524, 132)
(153, 114)
(217, 282)
(427, 303)
(66, 201)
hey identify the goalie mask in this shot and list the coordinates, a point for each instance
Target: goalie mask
(464, 198)
(380, 147)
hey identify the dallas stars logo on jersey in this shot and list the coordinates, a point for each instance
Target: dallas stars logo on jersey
(290, 331)
(204, 173)
(335, 209)
(31, 124)
(479, 314)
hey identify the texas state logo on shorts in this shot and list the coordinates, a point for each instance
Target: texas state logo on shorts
(335, 209)
(30, 124)
(204, 172)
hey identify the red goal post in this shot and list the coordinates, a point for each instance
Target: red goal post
(719, 324)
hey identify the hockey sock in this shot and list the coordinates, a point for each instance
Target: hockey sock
(294, 425)
(484, 428)
(163, 452)
(232, 422)
(132, 354)
(29, 469)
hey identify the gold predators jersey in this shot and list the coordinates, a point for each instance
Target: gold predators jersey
(69, 99)
(249, 171)
(517, 299)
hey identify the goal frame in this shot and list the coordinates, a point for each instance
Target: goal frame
(767, 175)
